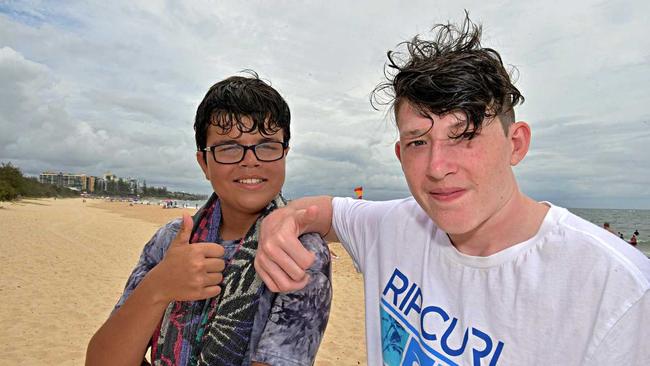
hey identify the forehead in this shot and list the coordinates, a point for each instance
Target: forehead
(234, 132)
(218, 134)
(412, 122)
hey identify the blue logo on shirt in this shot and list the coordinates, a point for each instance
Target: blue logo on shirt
(404, 344)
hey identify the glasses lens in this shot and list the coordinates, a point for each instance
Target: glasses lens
(269, 151)
(230, 153)
(234, 153)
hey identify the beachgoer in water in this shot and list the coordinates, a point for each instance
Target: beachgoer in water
(469, 270)
(202, 303)
(620, 235)
(636, 232)
(606, 227)
(633, 240)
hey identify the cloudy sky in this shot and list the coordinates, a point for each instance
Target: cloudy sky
(113, 86)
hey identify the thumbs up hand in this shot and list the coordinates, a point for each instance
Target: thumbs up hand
(281, 260)
(188, 272)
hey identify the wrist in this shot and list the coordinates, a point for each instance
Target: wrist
(152, 289)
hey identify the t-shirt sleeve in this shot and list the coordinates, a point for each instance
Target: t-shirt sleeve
(297, 321)
(152, 253)
(357, 224)
(626, 342)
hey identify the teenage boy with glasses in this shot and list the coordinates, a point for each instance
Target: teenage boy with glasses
(202, 303)
(469, 270)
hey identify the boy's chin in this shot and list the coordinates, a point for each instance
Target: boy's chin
(254, 205)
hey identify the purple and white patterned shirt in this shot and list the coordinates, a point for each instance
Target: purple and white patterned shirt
(288, 327)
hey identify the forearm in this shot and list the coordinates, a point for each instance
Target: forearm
(323, 221)
(123, 339)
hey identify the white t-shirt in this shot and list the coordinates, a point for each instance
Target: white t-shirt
(571, 295)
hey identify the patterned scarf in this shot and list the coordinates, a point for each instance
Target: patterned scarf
(215, 331)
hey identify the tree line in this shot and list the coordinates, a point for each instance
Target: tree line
(14, 185)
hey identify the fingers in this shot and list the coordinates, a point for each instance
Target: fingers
(210, 250)
(266, 278)
(213, 265)
(290, 255)
(276, 279)
(210, 291)
(306, 217)
(184, 233)
(281, 259)
(213, 279)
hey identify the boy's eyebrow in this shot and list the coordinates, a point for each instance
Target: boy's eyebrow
(234, 141)
(458, 124)
(415, 132)
(268, 139)
(227, 141)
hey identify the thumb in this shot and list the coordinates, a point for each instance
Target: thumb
(305, 217)
(183, 236)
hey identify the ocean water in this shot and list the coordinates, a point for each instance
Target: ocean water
(179, 203)
(625, 221)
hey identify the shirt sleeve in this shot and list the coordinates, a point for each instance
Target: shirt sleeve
(357, 224)
(152, 254)
(297, 321)
(626, 342)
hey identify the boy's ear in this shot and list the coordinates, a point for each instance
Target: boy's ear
(398, 151)
(519, 134)
(201, 158)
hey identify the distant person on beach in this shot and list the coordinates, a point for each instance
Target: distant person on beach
(633, 240)
(469, 270)
(620, 235)
(194, 296)
(636, 232)
(606, 227)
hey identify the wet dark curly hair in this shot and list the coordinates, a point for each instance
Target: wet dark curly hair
(450, 73)
(229, 100)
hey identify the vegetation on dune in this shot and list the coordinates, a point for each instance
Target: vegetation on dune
(14, 185)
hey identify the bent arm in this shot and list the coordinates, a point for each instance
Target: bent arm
(185, 273)
(123, 339)
(320, 220)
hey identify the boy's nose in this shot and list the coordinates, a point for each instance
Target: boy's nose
(250, 159)
(440, 161)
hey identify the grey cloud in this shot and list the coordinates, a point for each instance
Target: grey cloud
(114, 86)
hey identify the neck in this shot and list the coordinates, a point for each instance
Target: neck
(235, 224)
(518, 220)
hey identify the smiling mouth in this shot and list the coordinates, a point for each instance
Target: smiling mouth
(250, 181)
(447, 195)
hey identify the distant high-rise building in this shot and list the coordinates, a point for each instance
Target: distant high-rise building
(88, 183)
(51, 178)
(91, 184)
(68, 180)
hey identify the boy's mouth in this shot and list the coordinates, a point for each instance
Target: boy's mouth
(250, 180)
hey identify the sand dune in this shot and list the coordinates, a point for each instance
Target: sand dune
(64, 263)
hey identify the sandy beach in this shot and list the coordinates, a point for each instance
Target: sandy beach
(64, 264)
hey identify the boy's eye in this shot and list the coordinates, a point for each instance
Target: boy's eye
(228, 148)
(269, 146)
(416, 143)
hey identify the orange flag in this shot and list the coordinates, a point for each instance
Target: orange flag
(359, 192)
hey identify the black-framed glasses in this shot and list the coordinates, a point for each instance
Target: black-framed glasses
(233, 153)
